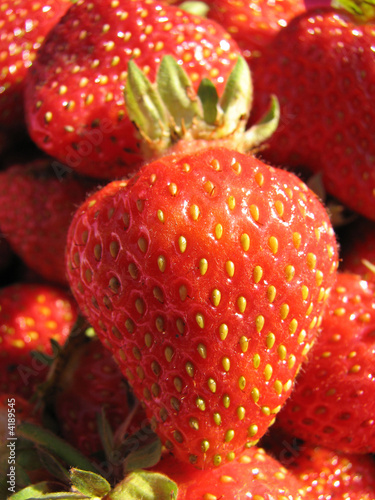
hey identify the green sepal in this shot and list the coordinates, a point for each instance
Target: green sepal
(38, 490)
(265, 127)
(106, 434)
(144, 485)
(207, 93)
(194, 7)
(89, 483)
(176, 91)
(237, 97)
(145, 450)
(363, 9)
(53, 466)
(144, 105)
(56, 445)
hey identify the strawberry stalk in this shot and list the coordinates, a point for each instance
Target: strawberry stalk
(169, 112)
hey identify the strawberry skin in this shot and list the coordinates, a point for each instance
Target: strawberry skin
(321, 68)
(333, 401)
(30, 315)
(75, 104)
(23, 26)
(206, 275)
(253, 475)
(42, 204)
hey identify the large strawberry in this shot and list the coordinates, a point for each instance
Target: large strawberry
(37, 201)
(206, 275)
(75, 103)
(30, 316)
(23, 26)
(254, 475)
(333, 401)
(321, 67)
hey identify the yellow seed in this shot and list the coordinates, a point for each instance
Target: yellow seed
(244, 343)
(203, 266)
(266, 410)
(288, 385)
(226, 401)
(148, 339)
(215, 164)
(237, 167)
(297, 240)
(302, 336)
(310, 309)
(291, 361)
(256, 360)
(259, 323)
(268, 372)
(142, 244)
(218, 231)
(182, 243)
(200, 403)
(205, 445)
(229, 267)
(254, 211)
(211, 385)
(241, 304)
(217, 460)
(194, 424)
(209, 187)
(199, 318)
(231, 202)
(255, 394)
(226, 363)
(245, 241)
(209, 496)
(178, 384)
(319, 277)
(252, 430)
(226, 479)
(273, 244)
(202, 350)
(160, 215)
(305, 292)
(223, 331)
(278, 386)
(293, 326)
(259, 178)
(279, 206)
(180, 325)
(140, 306)
(271, 293)
(241, 412)
(182, 291)
(217, 418)
(172, 189)
(289, 272)
(229, 435)
(257, 274)
(162, 263)
(194, 212)
(311, 260)
(216, 297)
(242, 383)
(114, 248)
(270, 340)
(189, 369)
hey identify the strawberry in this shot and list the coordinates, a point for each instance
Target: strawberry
(321, 68)
(43, 196)
(92, 383)
(326, 474)
(23, 26)
(30, 315)
(358, 249)
(78, 114)
(206, 275)
(332, 404)
(253, 475)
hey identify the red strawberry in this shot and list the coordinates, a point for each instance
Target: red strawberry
(206, 275)
(253, 23)
(358, 249)
(333, 401)
(321, 68)
(23, 27)
(75, 103)
(254, 475)
(92, 382)
(37, 201)
(30, 315)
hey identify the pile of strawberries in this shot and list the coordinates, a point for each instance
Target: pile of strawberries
(187, 249)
